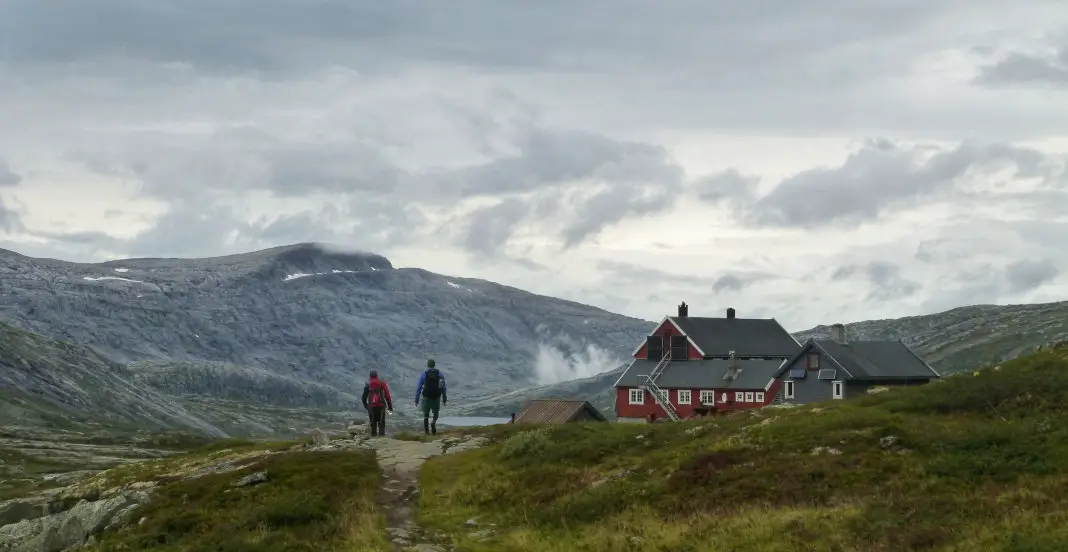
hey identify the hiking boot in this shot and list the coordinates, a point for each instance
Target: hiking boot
(434, 429)
(426, 427)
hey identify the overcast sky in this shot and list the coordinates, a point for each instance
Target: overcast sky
(818, 161)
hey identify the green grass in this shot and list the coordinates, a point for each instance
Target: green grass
(969, 463)
(322, 501)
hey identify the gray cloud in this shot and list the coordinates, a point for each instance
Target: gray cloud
(885, 279)
(10, 221)
(729, 185)
(874, 180)
(489, 228)
(737, 281)
(1028, 68)
(7, 176)
(648, 277)
(1026, 275)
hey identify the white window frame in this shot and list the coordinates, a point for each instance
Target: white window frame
(684, 393)
(739, 396)
(709, 394)
(759, 397)
(748, 396)
(640, 393)
(789, 388)
(837, 390)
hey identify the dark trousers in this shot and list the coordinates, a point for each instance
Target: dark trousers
(378, 420)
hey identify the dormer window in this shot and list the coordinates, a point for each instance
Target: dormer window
(680, 348)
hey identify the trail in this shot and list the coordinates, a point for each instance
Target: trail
(400, 462)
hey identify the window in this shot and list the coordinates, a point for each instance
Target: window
(654, 347)
(813, 361)
(708, 397)
(789, 390)
(827, 374)
(637, 396)
(760, 397)
(837, 389)
(739, 397)
(684, 396)
(797, 373)
(679, 347)
(749, 397)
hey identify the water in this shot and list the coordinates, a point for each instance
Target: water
(471, 421)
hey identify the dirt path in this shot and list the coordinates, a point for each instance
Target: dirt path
(400, 462)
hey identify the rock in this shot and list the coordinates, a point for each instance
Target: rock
(14, 511)
(426, 548)
(483, 534)
(69, 529)
(472, 522)
(319, 437)
(254, 478)
(888, 442)
(825, 450)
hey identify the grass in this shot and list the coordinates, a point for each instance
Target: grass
(969, 463)
(322, 501)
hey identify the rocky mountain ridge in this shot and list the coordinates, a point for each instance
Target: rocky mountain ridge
(299, 326)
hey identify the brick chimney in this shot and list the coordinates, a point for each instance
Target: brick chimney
(838, 333)
(684, 310)
(730, 312)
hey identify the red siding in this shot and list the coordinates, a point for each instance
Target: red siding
(667, 328)
(626, 410)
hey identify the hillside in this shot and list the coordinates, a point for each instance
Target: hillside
(48, 383)
(301, 325)
(974, 462)
(970, 463)
(951, 341)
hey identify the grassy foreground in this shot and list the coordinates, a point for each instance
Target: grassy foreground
(321, 501)
(972, 463)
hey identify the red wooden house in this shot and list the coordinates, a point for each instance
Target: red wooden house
(691, 366)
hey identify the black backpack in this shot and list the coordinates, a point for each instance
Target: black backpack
(432, 384)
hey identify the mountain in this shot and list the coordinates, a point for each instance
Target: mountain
(301, 325)
(50, 383)
(952, 341)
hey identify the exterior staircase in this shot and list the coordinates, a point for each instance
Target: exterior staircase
(648, 384)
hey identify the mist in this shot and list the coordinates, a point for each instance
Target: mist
(554, 365)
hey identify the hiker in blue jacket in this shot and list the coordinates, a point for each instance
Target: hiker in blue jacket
(431, 390)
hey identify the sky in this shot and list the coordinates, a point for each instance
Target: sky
(814, 162)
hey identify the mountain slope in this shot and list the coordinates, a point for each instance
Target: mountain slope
(44, 382)
(951, 341)
(303, 313)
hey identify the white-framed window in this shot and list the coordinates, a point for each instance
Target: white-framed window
(739, 396)
(788, 389)
(637, 396)
(684, 396)
(837, 389)
(708, 397)
(759, 397)
(749, 397)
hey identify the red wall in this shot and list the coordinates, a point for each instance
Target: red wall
(626, 410)
(667, 328)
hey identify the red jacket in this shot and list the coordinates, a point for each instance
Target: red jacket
(385, 393)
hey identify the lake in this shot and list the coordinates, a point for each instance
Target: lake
(470, 421)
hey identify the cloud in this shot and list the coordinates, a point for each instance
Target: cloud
(1047, 65)
(7, 176)
(885, 279)
(626, 155)
(1026, 275)
(553, 365)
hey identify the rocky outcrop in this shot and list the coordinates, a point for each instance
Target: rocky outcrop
(71, 529)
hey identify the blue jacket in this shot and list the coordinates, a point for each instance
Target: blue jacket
(422, 380)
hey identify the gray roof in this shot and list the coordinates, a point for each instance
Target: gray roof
(875, 360)
(745, 336)
(703, 374)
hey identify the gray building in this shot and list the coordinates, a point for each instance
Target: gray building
(837, 368)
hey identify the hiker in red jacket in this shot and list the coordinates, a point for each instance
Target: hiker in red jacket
(376, 400)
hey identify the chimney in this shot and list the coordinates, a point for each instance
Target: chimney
(684, 310)
(732, 368)
(730, 312)
(838, 333)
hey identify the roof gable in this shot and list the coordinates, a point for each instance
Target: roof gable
(555, 411)
(745, 336)
(869, 360)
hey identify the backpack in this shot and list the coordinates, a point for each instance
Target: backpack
(374, 398)
(432, 384)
